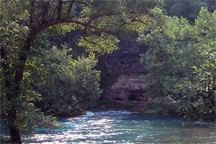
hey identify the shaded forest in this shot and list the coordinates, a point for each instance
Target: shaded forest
(43, 75)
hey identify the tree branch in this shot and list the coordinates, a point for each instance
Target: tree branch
(45, 14)
(32, 12)
(59, 21)
(70, 8)
(134, 20)
(54, 12)
(59, 9)
(39, 15)
(98, 16)
(89, 41)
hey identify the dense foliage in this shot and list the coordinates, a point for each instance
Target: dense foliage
(37, 75)
(70, 86)
(200, 93)
(188, 9)
(175, 49)
(24, 70)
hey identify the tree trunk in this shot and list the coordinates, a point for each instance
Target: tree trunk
(12, 113)
(14, 131)
(15, 135)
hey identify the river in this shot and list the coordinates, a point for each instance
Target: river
(123, 126)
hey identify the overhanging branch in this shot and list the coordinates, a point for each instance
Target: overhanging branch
(59, 21)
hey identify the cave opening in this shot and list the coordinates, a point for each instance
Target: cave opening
(118, 99)
(133, 97)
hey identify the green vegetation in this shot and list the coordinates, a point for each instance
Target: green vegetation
(4, 140)
(188, 9)
(128, 105)
(157, 110)
(40, 79)
(106, 79)
(181, 58)
(30, 68)
(211, 128)
(175, 139)
(69, 89)
(107, 103)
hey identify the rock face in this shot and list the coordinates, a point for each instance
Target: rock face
(126, 62)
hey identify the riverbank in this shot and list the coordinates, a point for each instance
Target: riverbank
(144, 107)
(138, 106)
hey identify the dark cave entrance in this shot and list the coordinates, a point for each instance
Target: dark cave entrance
(133, 97)
(118, 99)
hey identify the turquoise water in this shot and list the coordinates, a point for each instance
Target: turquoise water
(123, 126)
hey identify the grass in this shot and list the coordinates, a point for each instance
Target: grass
(154, 110)
(128, 105)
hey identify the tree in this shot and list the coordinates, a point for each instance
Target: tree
(23, 21)
(70, 86)
(187, 9)
(172, 51)
(200, 93)
(175, 49)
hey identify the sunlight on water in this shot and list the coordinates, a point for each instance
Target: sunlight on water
(123, 126)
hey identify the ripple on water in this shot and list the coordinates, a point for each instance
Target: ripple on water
(124, 126)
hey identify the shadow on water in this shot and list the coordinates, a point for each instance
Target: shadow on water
(124, 126)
